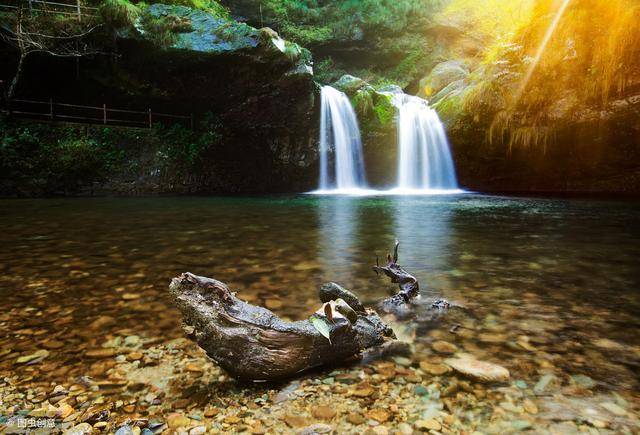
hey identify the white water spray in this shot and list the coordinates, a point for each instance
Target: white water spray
(424, 158)
(341, 162)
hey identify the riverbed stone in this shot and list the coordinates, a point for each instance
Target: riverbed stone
(614, 409)
(379, 415)
(177, 420)
(80, 429)
(530, 406)
(318, 428)
(124, 430)
(543, 383)
(445, 347)
(324, 412)
(431, 424)
(355, 418)
(434, 369)
(480, 370)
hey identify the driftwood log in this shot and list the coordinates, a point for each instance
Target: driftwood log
(252, 343)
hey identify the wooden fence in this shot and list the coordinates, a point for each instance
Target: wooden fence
(42, 6)
(64, 112)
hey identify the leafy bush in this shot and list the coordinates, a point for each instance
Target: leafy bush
(119, 13)
(211, 6)
(312, 22)
(44, 159)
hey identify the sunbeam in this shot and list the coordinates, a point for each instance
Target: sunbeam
(541, 49)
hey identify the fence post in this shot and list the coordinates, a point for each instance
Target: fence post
(104, 113)
(51, 108)
(150, 122)
(79, 11)
(192, 121)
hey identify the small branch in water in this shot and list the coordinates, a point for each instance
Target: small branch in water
(407, 283)
(398, 304)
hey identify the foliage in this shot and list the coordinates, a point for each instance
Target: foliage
(183, 150)
(119, 13)
(532, 89)
(492, 20)
(375, 110)
(160, 30)
(41, 159)
(313, 21)
(321, 325)
(210, 6)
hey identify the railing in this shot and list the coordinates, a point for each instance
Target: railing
(64, 112)
(44, 6)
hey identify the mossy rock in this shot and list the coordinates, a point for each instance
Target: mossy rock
(384, 109)
(350, 84)
(449, 102)
(441, 76)
(191, 29)
(181, 27)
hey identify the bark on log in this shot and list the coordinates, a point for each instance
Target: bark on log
(252, 343)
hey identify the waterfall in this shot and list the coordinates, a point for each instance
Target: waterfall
(424, 158)
(341, 162)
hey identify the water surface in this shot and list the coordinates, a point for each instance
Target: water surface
(550, 284)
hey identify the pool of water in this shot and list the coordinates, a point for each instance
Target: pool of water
(548, 283)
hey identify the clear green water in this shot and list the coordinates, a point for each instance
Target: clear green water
(562, 273)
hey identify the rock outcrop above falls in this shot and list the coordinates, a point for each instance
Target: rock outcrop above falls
(258, 85)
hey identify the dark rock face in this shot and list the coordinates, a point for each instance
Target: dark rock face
(260, 86)
(257, 86)
(595, 151)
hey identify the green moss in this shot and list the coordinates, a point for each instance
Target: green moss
(119, 13)
(451, 107)
(374, 109)
(210, 6)
(44, 159)
(362, 102)
(385, 111)
(313, 21)
(191, 29)
(160, 30)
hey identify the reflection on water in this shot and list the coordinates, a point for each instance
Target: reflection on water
(561, 275)
(425, 234)
(338, 229)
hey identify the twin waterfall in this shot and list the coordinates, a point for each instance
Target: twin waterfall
(339, 131)
(424, 160)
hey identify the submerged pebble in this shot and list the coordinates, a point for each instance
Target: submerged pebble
(480, 370)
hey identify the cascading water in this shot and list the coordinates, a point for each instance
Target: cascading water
(341, 162)
(424, 158)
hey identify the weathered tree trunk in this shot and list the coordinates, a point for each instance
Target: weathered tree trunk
(252, 343)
